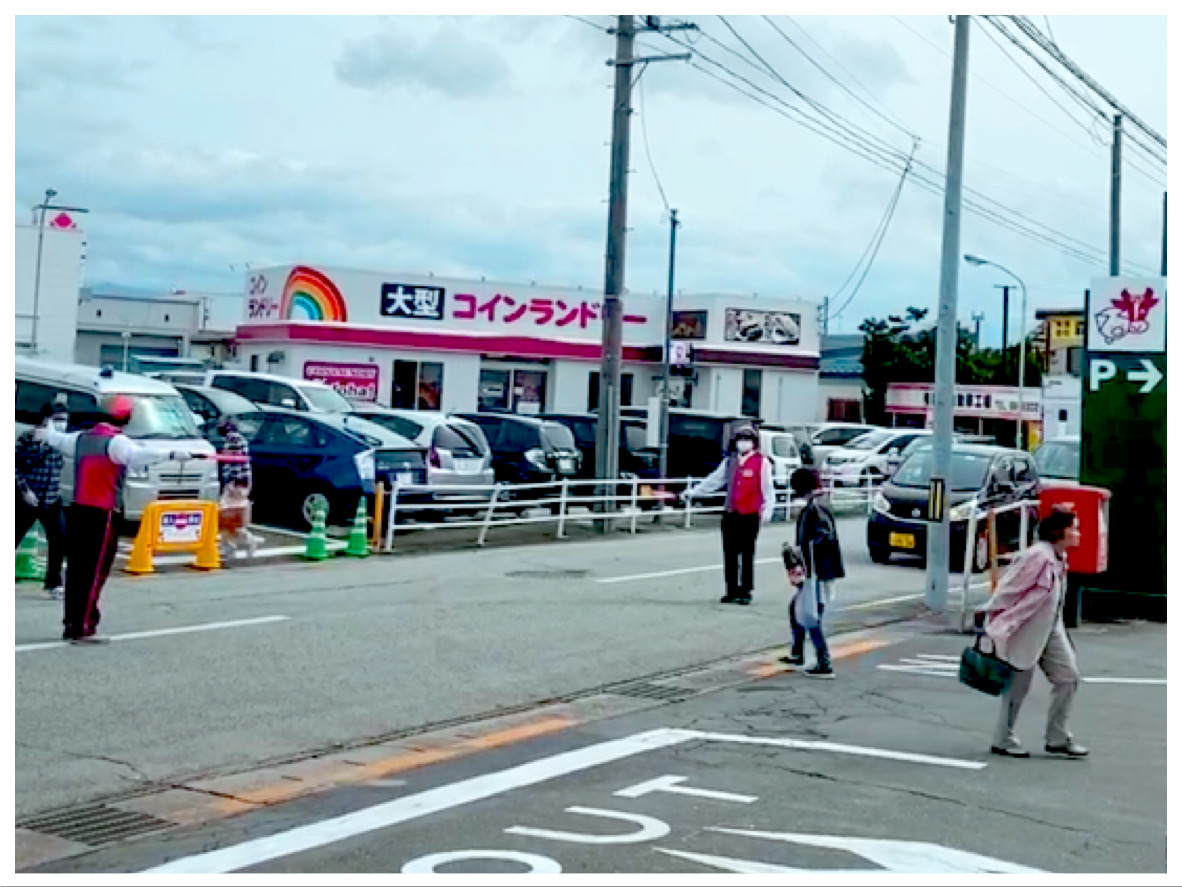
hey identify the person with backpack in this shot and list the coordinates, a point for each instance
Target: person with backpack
(813, 568)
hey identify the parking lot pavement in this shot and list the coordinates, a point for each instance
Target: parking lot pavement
(880, 770)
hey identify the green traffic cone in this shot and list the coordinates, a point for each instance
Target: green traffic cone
(317, 547)
(358, 539)
(30, 564)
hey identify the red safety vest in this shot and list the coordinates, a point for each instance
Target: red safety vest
(97, 479)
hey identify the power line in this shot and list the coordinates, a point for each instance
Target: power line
(845, 88)
(589, 23)
(1047, 19)
(644, 135)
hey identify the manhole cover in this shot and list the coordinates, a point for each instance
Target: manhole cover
(95, 824)
(547, 574)
(645, 690)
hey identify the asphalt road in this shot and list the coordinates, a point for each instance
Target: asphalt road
(885, 768)
(209, 673)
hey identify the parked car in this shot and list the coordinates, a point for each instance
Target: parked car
(782, 447)
(528, 450)
(636, 458)
(828, 436)
(698, 439)
(981, 477)
(160, 421)
(209, 405)
(458, 453)
(302, 461)
(869, 459)
(1058, 459)
(803, 435)
(269, 390)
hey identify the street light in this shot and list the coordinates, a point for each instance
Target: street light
(43, 207)
(977, 260)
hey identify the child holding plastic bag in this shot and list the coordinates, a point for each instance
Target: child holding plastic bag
(813, 565)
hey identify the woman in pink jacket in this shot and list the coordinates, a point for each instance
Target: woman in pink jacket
(1025, 621)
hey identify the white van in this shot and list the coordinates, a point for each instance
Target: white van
(782, 449)
(160, 420)
(268, 389)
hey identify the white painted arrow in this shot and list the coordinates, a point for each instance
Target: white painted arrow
(1151, 375)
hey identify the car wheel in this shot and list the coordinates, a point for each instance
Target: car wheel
(317, 499)
(880, 554)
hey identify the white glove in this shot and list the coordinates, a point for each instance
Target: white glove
(40, 433)
(30, 497)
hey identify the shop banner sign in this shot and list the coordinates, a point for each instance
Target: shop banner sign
(356, 381)
(180, 527)
(762, 327)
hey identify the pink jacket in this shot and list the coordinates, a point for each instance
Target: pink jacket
(1026, 605)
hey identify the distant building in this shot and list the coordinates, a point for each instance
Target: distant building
(1062, 341)
(56, 298)
(841, 391)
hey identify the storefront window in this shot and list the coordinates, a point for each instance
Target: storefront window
(417, 385)
(752, 385)
(494, 391)
(626, 382)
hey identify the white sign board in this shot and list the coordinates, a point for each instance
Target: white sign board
(181, 526)
(1127, 314)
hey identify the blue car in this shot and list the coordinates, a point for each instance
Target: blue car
(303, 461)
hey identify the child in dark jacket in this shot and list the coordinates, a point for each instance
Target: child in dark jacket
(819, 552)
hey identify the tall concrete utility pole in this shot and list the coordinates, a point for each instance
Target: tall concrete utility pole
(1005, 326)
(1114, 218)
(607, 431)
(1163, 233)
(665, 398)
(936, 589)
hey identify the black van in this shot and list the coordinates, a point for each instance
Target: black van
(528, 449)
(636, 457)
(698, 439)
(982, 476)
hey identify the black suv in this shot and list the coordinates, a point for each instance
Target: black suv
(637, 459)
(527, 449)
(982, 477)
(698, 440)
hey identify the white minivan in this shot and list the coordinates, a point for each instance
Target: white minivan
(161, 420)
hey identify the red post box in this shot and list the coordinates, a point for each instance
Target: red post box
(1090, 505)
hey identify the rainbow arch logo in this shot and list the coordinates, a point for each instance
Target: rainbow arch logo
(310, 295)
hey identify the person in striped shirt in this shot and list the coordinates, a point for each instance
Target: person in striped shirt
(237, 480)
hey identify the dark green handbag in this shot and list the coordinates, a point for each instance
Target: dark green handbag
(985, 671)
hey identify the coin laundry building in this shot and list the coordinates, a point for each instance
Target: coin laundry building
(432, 343)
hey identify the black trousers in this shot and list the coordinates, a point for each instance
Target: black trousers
(739, 532)
(93, 538)
(55, 534)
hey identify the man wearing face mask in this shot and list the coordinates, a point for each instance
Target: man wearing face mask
(746, 476)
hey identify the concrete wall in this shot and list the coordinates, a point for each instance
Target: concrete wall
(61, 280)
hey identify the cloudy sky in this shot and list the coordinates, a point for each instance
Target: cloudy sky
(477, 146)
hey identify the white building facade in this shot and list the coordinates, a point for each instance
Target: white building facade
(460, 345)
(55, 300)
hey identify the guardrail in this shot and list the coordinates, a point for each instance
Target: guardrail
(481, 506)
(1024, 508)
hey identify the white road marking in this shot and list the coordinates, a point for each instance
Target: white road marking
(447, 797)
(672, 784)
(428, 865)
(881, 602)
(169, 560)
(651, 829)
(928, 663)
(862, 751)
(948, 670)
(1154, 681)
(136, 635)
(750, 866)
(937, 657)
(921, 669)
(680, 572)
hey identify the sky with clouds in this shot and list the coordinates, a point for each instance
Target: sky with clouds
(478, 146)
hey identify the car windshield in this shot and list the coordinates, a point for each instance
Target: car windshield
(457, 440)
(968, 470)
(161, 417)
(327, 399)
(1059, 459)
(558, 436)
(784, 446)
(869, 441)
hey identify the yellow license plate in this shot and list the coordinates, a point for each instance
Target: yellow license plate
(902, 540)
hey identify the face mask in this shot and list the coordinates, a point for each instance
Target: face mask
(744, 446)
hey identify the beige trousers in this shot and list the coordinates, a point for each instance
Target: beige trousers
(1058, 664)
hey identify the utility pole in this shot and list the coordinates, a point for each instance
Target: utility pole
(1005, 328)
(824, 317)
(1163, 233)
(665, 398)
(1114, 218)
(607, 432)
(936, 589)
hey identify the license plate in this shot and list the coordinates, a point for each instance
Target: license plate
(469, 466)
(405, 478)
(902, 540)
(566, 464)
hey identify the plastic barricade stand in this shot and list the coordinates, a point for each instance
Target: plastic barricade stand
(1090, 557)
(177, 526)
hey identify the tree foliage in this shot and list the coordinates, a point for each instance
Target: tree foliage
(900, 348)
